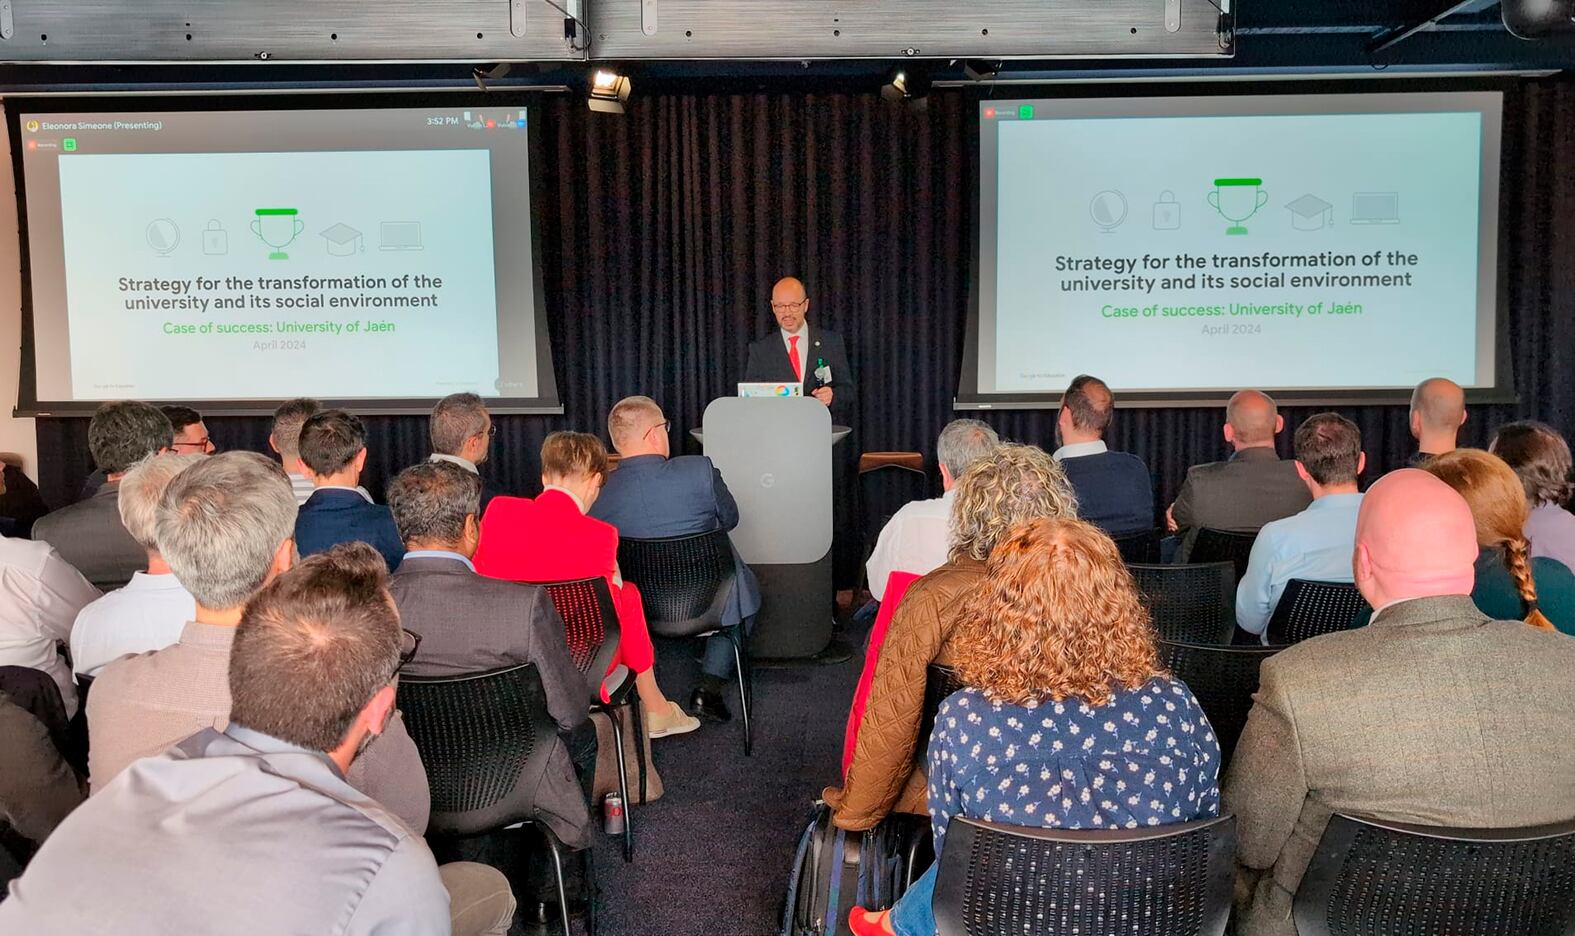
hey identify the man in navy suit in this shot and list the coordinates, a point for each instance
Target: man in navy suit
(796, 353)
(1114, 490)
(332, 454)
(652, 496)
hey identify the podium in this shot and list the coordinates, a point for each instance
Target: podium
(775, 454)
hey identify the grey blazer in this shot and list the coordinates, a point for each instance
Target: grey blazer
(1253, 488)
(1432, 714)
(90, 536)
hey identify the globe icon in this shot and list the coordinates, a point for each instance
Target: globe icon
(163, 236)
(1108, 209)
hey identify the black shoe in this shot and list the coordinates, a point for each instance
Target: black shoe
(708, 705)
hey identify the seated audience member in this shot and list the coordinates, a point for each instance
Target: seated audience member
(191, 435)
(1510, 584)
(1541, 458)
(285, 440)
(153, 608)
(1114, 490)
(20, 501)
(550, 539)
(332, 455)
(89, 534)
(37, 787)
(472, 624)
(1432, 714)
(462, 432)
(918, 537)
(254, 828)
(1438, 410)
(1011, 484)
(1247, 490)
(42, 597)
(1059, 583)
(223, 525)
(1316, 543)
(652, 495)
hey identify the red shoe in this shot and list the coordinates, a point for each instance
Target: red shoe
(869, 922)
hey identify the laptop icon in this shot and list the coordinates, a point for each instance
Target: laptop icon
(1375, 208)
(399, 235)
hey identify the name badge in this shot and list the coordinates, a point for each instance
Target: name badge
(823, 373)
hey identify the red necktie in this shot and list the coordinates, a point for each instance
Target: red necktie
(793, 358)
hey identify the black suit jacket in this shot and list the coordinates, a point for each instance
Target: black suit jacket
(768, 361)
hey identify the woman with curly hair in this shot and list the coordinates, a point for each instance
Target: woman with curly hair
(1068, 720)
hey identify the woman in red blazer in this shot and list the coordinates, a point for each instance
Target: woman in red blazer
(550, 539)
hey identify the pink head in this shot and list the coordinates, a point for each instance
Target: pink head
(1414, 539)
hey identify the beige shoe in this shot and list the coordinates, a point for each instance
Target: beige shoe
(671, 722)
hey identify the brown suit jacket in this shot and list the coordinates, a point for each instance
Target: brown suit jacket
(1432, 714)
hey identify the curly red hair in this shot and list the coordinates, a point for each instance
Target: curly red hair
(1057, 615)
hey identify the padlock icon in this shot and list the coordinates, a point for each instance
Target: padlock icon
(1167, 212)
(215, 240)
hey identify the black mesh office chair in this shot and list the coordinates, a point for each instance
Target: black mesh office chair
(887, 481)
(1309, 608)
(1372, 878)
(485, 741)
(1194, 602)
(1138, 546)
(1171, 880)
(1223, 546)
(1223, 680)
(685, 582)
(939, 682)
(590, 622)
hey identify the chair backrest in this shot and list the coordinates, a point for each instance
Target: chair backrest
(684, 581)
(1194, 602)
(939, 682)
(35, 691)
(1223, 680)
(883, 490)
(590, 626)
(1223, 545)
(484, 741)
(1369, 876)
(1308, 608)
(1156, 881)
(1138, 546)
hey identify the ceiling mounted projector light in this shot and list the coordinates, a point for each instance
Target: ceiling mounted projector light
(896, 87)
(909, 83)
(609, 91)
(1539, 19)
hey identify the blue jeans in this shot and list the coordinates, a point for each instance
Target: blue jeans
(718, 660)
(913, 914)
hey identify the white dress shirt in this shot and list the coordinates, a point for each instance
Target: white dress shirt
(916, 539)
(148, 614)
(464, 463)
(40, 595)
(1079, 449)
(302, 486)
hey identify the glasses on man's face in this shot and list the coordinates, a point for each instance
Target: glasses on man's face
(788, 306)
(664, 425)
(409, 643)
(201, 445)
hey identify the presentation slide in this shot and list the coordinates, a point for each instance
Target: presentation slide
(1182, 245)
(374, 254)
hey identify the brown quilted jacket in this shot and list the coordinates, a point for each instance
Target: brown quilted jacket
(887, 773)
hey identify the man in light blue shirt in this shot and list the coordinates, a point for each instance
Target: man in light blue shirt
(1315, 544)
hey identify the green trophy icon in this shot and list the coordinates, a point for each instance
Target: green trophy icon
(278, 228)
(1237, 200)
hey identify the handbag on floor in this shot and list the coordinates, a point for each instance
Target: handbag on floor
(835, 870)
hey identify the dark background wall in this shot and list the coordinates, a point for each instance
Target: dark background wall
(663, 230)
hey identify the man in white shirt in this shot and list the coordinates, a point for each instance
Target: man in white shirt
(285, 439)
(151, 610)
(462, 432)
(918, 536)
(40, 595)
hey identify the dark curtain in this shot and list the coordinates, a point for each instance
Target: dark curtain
(663, 230)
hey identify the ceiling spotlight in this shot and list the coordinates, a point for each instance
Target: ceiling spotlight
(896, 87)
(980, 70)
(908, 83)
(609, 91)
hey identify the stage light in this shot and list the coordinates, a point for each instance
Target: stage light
(977, 70)
(908, 83)
(1539, 19)
(609, 91)
(896, 87)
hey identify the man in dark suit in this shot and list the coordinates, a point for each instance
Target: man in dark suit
(89, 534)
(796, 353)
(471, 624)
(652, 495)
(1438, 410)
(332, 454)
(1114, 490)
(1251, 488)
(462, 432)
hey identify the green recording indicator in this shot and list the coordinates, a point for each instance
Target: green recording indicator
(1025, 112)
(69, 144)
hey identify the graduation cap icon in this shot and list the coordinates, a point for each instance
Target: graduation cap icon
(343, 240)
(1311, 213)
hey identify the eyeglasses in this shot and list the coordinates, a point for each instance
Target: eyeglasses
(788, 306)
(200, 445)
(664, 425)
(409, 643)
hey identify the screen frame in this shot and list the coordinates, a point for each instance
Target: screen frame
(969, 398)
(547, 401)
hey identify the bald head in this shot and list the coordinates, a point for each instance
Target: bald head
(1438, 408)
(1415, 538)
(789, 303)
(1252, 420)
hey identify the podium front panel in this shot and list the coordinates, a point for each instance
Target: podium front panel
(775, 455)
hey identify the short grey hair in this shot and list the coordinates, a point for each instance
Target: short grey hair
(143, 487)
(962, 442)
(456, 418)
(219, 524)
(124, 432)
(430, 502)
(625, 419)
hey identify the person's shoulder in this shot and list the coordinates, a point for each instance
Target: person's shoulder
(1206, 471)
(28, 555)
(946, 580)
(1550, 569)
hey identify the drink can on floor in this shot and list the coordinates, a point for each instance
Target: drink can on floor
(612, 814)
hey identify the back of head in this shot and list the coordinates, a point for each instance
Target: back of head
(330, 440)
(1440, 404)
(314, 647)
(1540, 457)
(457, 418)
(1057, 615)
(125, 432)
(963, 442)
(1253, 417)
(1414, 539)
(572, 455)
(430, 502)
(1011, 484)
(1329, 446)
(181, 416)
(629, 420)
(1089, 401)
(220, 523)
(287, 422)
(141, 490)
